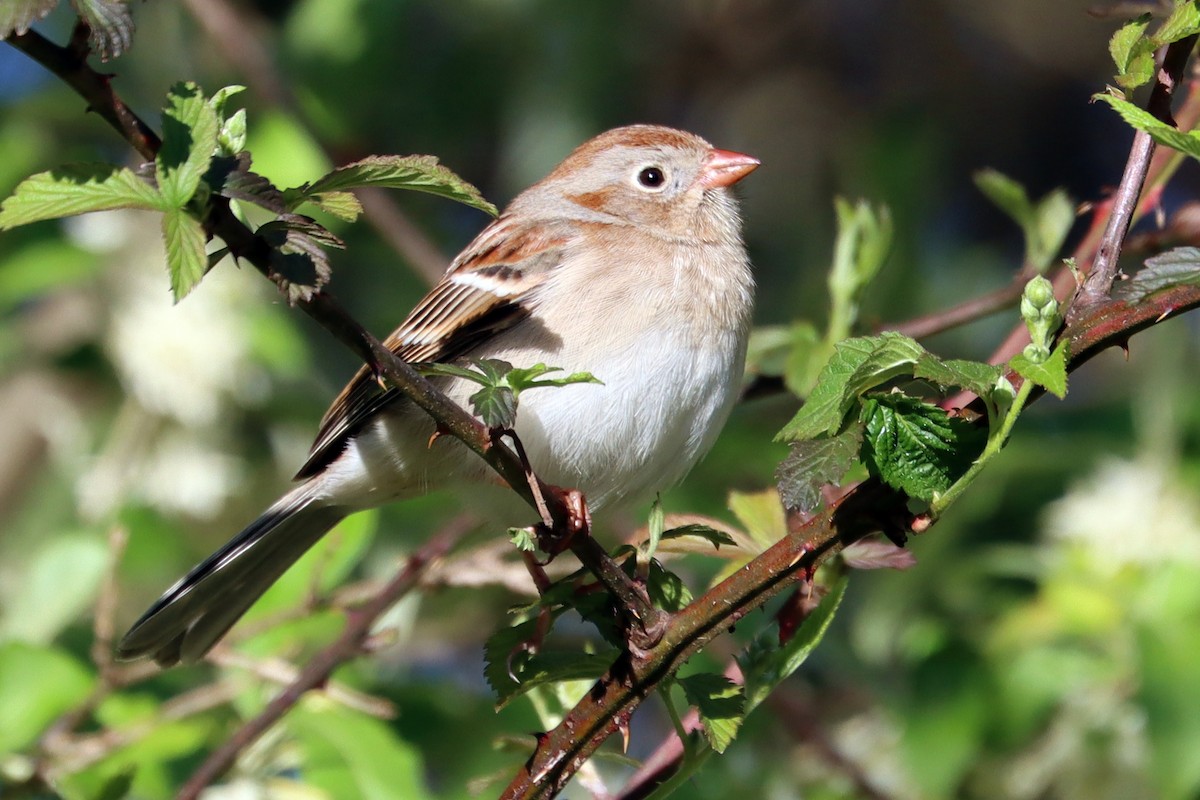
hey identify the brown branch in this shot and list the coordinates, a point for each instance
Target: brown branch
(238, 33)
(71, 66)
(867, 508)
(963, 313)
(1104, 270)
(317, 671)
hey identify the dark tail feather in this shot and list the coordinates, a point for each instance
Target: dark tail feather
(197, 611)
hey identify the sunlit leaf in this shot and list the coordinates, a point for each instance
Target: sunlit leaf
(76, 189)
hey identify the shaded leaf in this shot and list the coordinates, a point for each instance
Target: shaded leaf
(1050, 374)
(76, 189)
(720, 703)
(654, 526)
(1045, 224)
(666, 589)
(762, 515)
(813, 463)
(709, 534)
(111, 25)
(973, 376)
(186, 258)
(419, 173)
(916, 447)
(503, 652)
(189, 138)
(230, 176)
(857, 366)
(1178, 267)
(299, 264)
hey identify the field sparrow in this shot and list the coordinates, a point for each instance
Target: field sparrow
(627, 262)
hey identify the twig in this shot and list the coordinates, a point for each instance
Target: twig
(235, 31)
(316, 672)
(1104, 270)
(967, 311)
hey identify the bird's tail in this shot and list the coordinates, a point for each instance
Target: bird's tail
(197, 611)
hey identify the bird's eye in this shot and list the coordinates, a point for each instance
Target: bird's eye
(651, 177)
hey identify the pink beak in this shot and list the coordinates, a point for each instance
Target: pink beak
(725, 168)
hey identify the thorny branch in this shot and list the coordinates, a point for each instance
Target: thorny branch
(1097, 323)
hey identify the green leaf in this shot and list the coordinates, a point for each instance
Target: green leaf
(506, 651)
(17, 15)
(720, 703)
(1050, 374)
(1142, 120)
(37, 608)
(41, 684)
(186, 259)
(857, 366)
(190, 130)
(522, 378)
(973, 376)
(761, 514)
(1133, 53)
(419, 173)
(814, 463)
(654, 527)
(348, 754)
(767, 663)
(1045, 224)
(76, 189)
(863, 241)
(343, 205)
(495, 405)
(1178, 267)
(666, 589)
(916, 447)
(1183, 22)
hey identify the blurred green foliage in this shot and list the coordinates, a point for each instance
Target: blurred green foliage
(1045, 643)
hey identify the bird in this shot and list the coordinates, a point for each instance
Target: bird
(626, 261)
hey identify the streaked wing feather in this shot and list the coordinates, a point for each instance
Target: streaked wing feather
(484, 291)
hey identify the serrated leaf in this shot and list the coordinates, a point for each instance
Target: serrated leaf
(666, 589)
(504, 653)
(189, 137)
(76, 189)
(857, 366)
(418, 173)
(522, 378)
(813, 463)
(721, 704)
(299, 264)
(110, 23)
(186, 259)
(343, 205)
(230, 176)
(1184, 21)
(766, 664)
(1142, 120)
(1128, 40)
(916, 447)
(974, 376)
(1050, 374)
(1178, 267)
(495, 405)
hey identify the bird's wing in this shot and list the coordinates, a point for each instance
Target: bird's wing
(486, 289)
